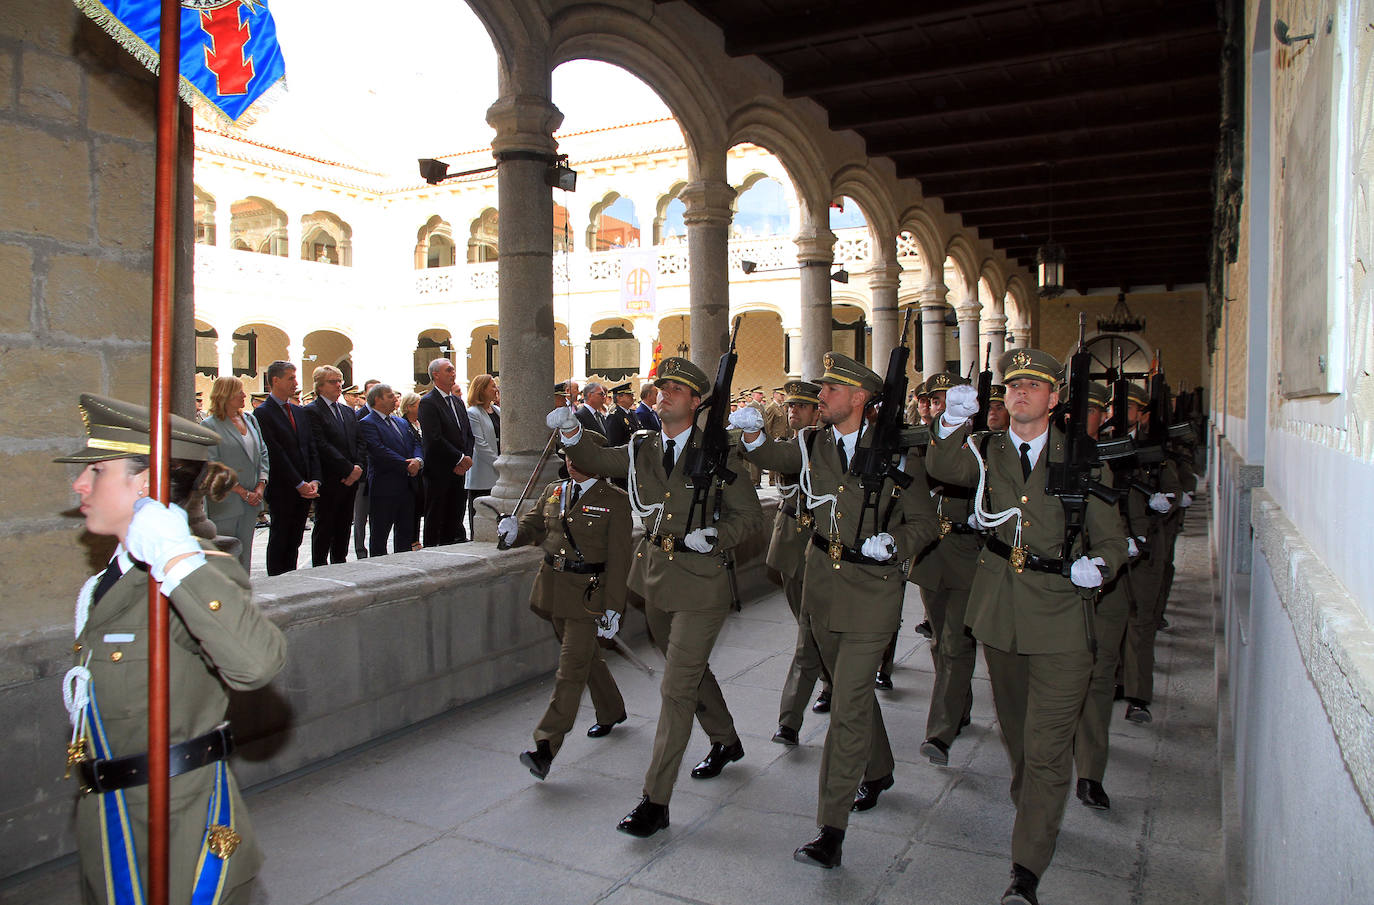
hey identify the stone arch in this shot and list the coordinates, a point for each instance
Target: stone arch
(996, 286)
(204, 216)
(434, 246)
(752, 180)
(431, 343)
(326, 347)
(514, 27)
(661, 211)
(921, 224)
(851, 323)
(613, 349)
(767, 125)
(614, 35)
(1018, 313)
(257, 224)
(874, 199)
(965, 259)
(601, 235)
(257, 344)
(482, 238)
(326, 235)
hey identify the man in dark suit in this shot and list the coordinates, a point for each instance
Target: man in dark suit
(360, 498)
(648, 419)
(343, 455)
(448, 445)
(621, 423)
(593, 401)
(293, 475)
(393, 457)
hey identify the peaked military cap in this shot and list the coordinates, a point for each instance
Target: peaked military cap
(680, 370)
(622, 389)
(1032, 363)
(1099, 395)
(803, 392)
(117, 430)
(921, 390)
(842, 369)
(997, 392)
(1136, 393)
(943, 381)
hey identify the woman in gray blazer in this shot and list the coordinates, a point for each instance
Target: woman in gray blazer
(241, 448)
(486, 441)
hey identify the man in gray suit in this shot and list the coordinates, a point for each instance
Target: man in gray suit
(343, 457)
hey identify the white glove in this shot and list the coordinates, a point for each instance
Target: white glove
(879, 547)
(961, 402)
(700, 539)
(608, 625)
(1132, 549)
(1159, 502)
(159, 533)
(746, 419)
(1085, 573)
(561, 419)
(507, 528)
(1186, 501)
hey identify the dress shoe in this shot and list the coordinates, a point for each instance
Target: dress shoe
(539, 760)
(716, 759)
(925, 630)
(866, 799)
(646, 819)
(1119, 693)
(1022, 888)
(937, 751)
(601, 730)
(883, 682)
(1138, 712)
(822, 704)
(786, 735)
(824, 850)
(1091, 793)
(1163, 624)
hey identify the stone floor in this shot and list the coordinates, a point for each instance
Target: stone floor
(444, 812)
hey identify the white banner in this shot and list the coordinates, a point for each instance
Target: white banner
(638, 281)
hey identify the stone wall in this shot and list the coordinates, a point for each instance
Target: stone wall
(76, 171)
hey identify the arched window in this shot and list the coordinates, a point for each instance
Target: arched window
(482, 245)
(326, 239)
(614, 224)
(258, 225)
(204, 206)
(434, 244)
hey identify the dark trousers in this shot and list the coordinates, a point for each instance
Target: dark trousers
(286, 532)
(445, 499)
(333, 519)
(387, 512)
(360, 504)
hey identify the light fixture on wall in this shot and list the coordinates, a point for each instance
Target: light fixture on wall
(683, 347)
(839, 276)
(559, 174)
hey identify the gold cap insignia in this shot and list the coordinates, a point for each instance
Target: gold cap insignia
(1021, 359)
(828, 361)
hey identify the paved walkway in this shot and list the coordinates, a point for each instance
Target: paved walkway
(444, 813)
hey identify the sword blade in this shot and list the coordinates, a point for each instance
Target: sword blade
(624, 651)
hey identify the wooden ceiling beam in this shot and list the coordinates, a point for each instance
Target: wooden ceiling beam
(1167, 124)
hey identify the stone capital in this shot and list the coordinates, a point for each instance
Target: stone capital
(815, 246)
(884, 277)
(524, 122)
(995, 323)
(707, 202)
(933, 295)
(968, 310)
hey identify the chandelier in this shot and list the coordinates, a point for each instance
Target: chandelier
(1121, 320)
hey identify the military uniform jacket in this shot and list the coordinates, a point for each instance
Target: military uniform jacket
(847, 596)
(1138, 518)
(600, 525)
(218, 638)
(949, 563)
(790, 538)
(1026, 612)
(775, 421)
(681, 580)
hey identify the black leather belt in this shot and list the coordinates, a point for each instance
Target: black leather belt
(113, 774)
(1032, 561)
(964, 528)
(563, 564)
(838, 551)
(671, 543)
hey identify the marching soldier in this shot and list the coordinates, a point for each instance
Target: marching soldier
(944, 574)
(998, 419)
(787, 554)
(853, 588)
(1027, 601)
(680, 570)
(583, 525)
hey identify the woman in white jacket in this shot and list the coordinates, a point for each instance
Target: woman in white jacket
(485, 416)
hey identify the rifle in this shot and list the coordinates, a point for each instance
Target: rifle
(878, 461)
(1121, 386)
(980, 419)
(1073, 480)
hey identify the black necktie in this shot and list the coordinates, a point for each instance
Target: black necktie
(668, 457)
(337, 412)
(453, 407)
(844, 460)
(1025, 462)
(576, 495)
(112, 574)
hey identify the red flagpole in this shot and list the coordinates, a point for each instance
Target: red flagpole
(164, 227)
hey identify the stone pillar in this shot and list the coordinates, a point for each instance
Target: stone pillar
(645, 333)
(1021, 337)
(995, 334)
(579, 336)
(524, 134)
(295, 353)
(815, 254)
(969, 313)
(887, 319)
(707, 218)
(932, 299)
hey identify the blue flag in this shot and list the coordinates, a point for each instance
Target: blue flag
(229, 49)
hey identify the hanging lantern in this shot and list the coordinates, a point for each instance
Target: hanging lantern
(1049, 262)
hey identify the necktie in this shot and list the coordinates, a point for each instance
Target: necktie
(396, 427)
(576, 495)
(338, 413)
(112, 574)
(1025, 461)
(286, 407)
(453, 407)
(668, 457)
(844, 459)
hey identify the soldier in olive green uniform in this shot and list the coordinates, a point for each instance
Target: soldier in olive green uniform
(679, 569)
(854, 584)
(218, 640)
(583, 525)
(787, 555)
(944, 573)
(1029, 614)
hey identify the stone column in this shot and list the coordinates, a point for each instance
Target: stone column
(523, 146)
(1021, 337)
(707, 218)
(815, 254)
(969, 313)
(579, 335)
(995, 334)
(887, 319)
(295, 353)
(646, 333)
(932, 299)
